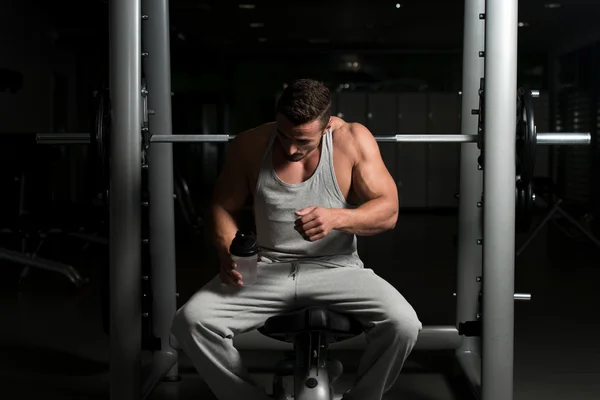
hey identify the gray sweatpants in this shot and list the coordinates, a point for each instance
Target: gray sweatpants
(207, 323)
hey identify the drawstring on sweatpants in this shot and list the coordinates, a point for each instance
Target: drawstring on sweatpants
(294, 270)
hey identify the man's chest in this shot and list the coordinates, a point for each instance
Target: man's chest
(295, 173)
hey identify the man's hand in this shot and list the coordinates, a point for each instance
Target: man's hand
(314, 223)
(227, 272)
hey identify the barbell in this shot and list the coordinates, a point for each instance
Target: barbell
(526, 138)
(543, 138)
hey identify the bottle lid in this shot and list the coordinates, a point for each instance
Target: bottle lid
(244, 245)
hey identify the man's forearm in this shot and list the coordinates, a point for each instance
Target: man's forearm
(373, 217)
(224, 227)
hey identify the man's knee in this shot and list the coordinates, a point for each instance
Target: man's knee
(201, 315)
(404, 322)
(194, 313)
(408, 328)
(191, 315)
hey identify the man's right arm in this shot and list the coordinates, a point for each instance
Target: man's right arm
(230, 194)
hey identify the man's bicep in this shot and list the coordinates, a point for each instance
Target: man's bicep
(231, 189)
(371, 178)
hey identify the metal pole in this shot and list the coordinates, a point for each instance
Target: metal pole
(564, 138)
(471, 186)
(427, 138)
(125, 196)
(499, 200)
(157, 67)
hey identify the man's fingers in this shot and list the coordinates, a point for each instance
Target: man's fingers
(316, 237)
(230, 276)
(311, 225)
(306, 219)
(314, 232)
(235, 274)
(305, 211)
(306, 232)
(311, 229)
(227, 278)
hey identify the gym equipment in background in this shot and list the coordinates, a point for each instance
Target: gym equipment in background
(33, 224)
(554, 214)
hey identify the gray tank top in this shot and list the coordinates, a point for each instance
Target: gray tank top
(276, 202)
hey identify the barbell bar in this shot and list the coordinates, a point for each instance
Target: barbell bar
(560, 138)
(545, 138)
(517, 296)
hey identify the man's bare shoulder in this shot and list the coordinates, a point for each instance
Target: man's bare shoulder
(351, 137)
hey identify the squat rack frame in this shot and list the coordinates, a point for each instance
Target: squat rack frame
(487, 362)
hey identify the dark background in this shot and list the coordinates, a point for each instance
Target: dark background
(229, 61)
(397, 70)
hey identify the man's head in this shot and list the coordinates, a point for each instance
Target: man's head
(303, 115)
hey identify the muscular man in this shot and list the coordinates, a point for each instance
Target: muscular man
(317, 182)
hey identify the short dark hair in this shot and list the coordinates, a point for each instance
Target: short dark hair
(305, 100)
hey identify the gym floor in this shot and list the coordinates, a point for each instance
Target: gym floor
(53, 345)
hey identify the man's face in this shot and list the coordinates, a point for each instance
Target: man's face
(298, 141)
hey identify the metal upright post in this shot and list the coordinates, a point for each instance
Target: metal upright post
(157, 68)
(125, 196)
(471, 187)
(499, 199)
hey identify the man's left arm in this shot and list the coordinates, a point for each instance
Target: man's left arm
(375, 187)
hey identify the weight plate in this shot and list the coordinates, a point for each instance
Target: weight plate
(100, 141)
(526, 136)
(186, 203)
